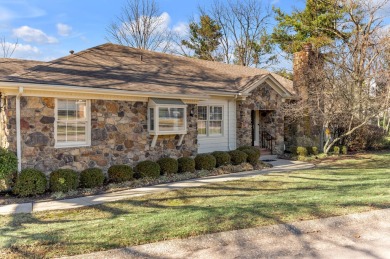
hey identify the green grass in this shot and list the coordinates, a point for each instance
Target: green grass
(333, 188)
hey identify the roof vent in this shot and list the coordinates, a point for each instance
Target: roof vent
(71, 52)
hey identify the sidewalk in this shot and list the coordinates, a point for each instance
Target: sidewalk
(361, 235)
(279, 165)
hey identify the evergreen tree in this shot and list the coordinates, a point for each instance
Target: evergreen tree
(204, 38)
(318, 24)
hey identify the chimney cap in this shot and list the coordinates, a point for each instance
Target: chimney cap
(308, 47)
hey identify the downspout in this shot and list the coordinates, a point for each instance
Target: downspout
(18, 130)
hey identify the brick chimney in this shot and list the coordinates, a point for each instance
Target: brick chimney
(302, 65)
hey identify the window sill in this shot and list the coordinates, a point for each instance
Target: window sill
(211, 136)
(71, 146)
(167, 132)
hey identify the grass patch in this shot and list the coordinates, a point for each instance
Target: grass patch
(335, 187)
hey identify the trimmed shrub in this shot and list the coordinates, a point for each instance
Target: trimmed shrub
(186, 164)
(8, 163)
(252, 156)
(301, 151)
(205, 162)
(120, 173)
(336, 150)
(91, 177)
(221, 157)
(237, 157)
(147, 169)
(242, 148)
(344, 150)
(30, 182)
(314, 150)
(64, 180)
(168, 165)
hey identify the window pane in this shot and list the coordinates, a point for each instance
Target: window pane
(215, 113)
(171, 119)
(72, 109)
(81, 133)
(62, 110)
(215, 127)
(151, 119)
(202, 127)
(202, 113)
(71, 132)
(61, 132)
(81, 110)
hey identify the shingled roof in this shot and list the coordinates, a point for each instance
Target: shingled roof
(111, 66)
(9, 66)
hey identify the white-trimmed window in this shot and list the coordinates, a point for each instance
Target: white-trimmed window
(72, 123)
(167, 116)
(210, 120)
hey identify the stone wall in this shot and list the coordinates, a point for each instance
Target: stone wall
(268, 102)
(118, 136)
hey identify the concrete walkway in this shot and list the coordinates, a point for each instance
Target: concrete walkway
(363, 235)
(279, 165)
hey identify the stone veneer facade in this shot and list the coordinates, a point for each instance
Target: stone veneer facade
(118, 136)
(268, 102)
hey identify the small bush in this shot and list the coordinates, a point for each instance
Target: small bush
(336, 150)
(301, 151)
(168, 166)
(8, 163)
(238, 157)
(242, 148)
(222, 158)
(252, 156)
(147, 169)
(30, 182)
(205, 162)
(120, 173)
(64, 180)
(314, 150)
(91, 177)
(186, 164)
(344, 150)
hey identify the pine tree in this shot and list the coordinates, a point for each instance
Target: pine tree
(204, 38)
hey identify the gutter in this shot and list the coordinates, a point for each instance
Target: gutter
(18, 130)
(102, 91)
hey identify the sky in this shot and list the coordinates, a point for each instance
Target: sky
(49, 29)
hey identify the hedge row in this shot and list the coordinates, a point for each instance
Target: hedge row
(33, 182)
(308, 151)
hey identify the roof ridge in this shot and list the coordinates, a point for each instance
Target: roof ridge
(53, 62)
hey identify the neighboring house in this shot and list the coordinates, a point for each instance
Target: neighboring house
(113, 104)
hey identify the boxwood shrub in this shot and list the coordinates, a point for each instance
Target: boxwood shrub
(344, 150)
(120, 173)
(147, 169)
(8, 163)
(91, 177)
(221, 157)
(336, 150)
(205, 162)
(301, 151)
(186, 164)
(30, 182)
(168, 166)
(253, 155)
(238, 157)
(64, 180)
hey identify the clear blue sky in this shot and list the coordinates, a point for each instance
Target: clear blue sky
(48, 29)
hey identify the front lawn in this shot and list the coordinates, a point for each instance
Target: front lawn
(352, 184)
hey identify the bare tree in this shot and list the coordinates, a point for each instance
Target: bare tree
(140, 25)
(244, 36)
(347, 89)
(7, 48)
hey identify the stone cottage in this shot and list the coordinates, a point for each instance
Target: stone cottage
(113, 104)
